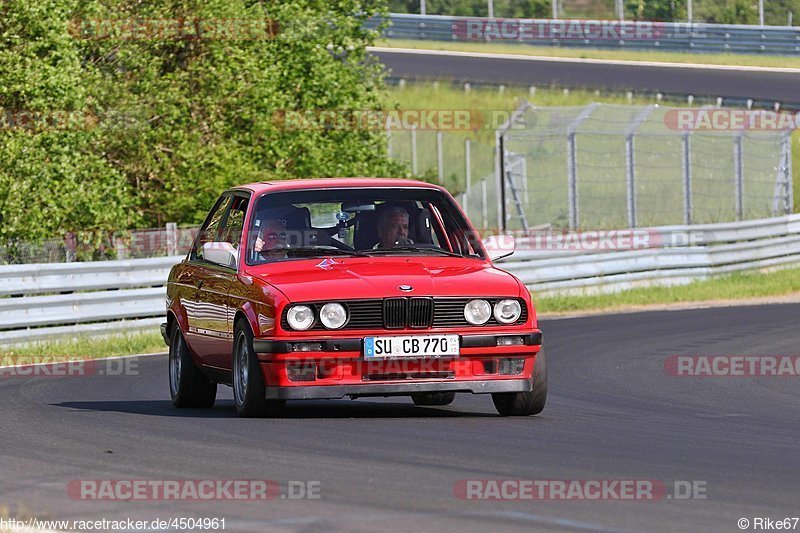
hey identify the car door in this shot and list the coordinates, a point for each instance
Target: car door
(231, 233)
(205, 306)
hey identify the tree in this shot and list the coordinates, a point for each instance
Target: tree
(179, 108)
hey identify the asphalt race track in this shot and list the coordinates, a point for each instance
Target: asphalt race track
(735, 83)
(613, 413)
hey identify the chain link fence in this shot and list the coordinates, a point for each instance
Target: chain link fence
(611, 166)
(615, 166)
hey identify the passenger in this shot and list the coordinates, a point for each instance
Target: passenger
(272, 237)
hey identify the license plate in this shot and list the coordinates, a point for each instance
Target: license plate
(411, 346)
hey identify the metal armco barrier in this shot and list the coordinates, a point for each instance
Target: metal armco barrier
(609, 34)
(44, 301)
(675, 255)
(92, 298)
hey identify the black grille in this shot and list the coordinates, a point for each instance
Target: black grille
(399, 313)
(420, 312)
(394, 313)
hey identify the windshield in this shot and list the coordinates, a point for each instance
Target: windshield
(358, 222)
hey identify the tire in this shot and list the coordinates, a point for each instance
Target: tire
(188, 386)
(525, 403)
(433, 398)
(249, 391)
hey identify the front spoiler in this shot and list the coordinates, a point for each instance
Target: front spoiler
(484, 340)
(332, 392)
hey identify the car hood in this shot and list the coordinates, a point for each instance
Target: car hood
(355, 278)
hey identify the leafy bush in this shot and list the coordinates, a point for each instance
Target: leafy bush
(165, 124)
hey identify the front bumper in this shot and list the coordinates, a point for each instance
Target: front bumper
(486, 340)
(337, 367)
(332, 392)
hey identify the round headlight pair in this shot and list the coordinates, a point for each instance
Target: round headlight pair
(301, 317)
(478, 312)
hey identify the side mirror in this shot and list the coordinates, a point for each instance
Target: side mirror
(221, 253)
(499, 246)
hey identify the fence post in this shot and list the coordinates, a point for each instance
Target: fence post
(687, 179)
(630, 162)
(70, 245)
(439, 156)
(484, 205)
(630, 180)
(787, 143)
(468, 176)
(572, 165)
(498, 176)
(414, 150)
(738, 163)
(172, 238)
(572, 181)
(119, 245)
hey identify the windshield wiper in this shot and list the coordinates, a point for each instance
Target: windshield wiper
(412, 249)
(323, 250)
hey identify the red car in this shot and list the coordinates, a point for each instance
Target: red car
(309, 289)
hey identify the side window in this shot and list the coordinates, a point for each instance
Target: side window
(234, 224)
(210, 229)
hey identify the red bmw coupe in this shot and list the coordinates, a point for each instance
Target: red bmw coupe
(333, 288)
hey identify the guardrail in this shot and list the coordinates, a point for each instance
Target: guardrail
(39, 302)
(44, 301)
(609, 34)
(674, 255)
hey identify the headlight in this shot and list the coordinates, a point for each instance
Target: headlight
(477, 312)
(507, 311)
(333, 315)
(300, 317)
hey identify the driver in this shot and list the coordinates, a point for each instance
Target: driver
(392, 227)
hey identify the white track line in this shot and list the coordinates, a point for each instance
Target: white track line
(621, 62)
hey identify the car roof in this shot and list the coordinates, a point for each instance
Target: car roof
(333, 183)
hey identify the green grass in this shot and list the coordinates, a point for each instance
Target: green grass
(731, 287)
(84, 347)
(585, 53)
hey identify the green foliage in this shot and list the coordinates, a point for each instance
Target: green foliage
(168, 122)
(728, 12)
(658, 10)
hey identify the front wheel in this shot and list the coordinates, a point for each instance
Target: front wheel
(249, 391)
(188, 386)
(525, 403)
